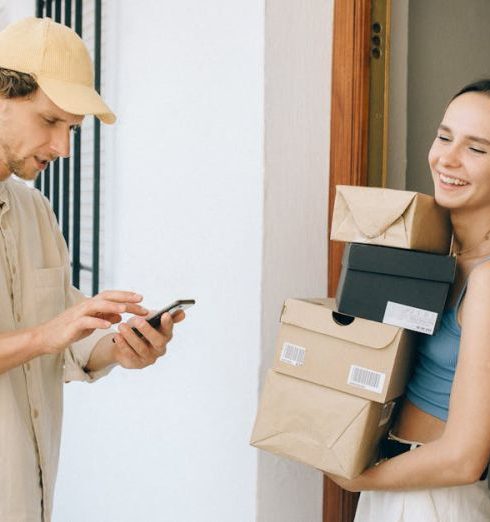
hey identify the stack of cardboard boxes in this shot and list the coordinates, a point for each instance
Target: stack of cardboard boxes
(340, 365)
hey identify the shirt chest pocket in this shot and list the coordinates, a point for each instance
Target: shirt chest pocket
(49, 292)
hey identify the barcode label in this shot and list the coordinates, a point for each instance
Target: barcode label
(416, 319)
(293, 354)
(386, 412)
(366, 379)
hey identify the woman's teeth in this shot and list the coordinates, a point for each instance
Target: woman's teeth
(452, 181)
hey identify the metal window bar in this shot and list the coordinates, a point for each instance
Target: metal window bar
(64, 174)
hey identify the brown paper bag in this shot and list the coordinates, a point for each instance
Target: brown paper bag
(330, 430)
(388, 217)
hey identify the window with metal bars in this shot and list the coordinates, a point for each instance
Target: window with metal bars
(73, 185)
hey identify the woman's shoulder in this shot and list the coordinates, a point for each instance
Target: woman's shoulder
(479, 279)
(481, 272)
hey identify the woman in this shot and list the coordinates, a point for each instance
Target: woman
(442, 434)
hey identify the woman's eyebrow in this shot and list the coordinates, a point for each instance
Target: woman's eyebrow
(483, 141)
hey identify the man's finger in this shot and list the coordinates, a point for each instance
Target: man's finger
(166, 325)
(137, 344)
(178, 316)
(133, 308)
(153, 335)
(120, 296)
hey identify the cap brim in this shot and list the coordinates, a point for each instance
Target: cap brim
(76, 98)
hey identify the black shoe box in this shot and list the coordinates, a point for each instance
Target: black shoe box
(406, 288)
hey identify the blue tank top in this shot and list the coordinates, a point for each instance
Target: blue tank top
(436, 357)
(435, 364)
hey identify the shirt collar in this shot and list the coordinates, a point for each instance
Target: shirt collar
(4, 195)
(3, 192)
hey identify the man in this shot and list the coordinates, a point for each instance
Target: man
(49, 332)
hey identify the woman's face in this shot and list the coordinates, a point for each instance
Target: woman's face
(459, 158)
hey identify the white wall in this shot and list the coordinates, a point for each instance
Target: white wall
(448, 48)
(297, 135)
(191, 209)
(397, 96)
(184, 212)
(14, 10)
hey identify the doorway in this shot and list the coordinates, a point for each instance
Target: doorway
(436, 48)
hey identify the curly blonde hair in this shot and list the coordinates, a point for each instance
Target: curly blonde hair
(14, 84)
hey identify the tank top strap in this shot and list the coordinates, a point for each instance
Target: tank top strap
(465, 285)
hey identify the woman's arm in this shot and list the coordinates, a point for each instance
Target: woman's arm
(460, 455)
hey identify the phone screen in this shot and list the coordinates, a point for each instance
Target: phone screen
(154, 320)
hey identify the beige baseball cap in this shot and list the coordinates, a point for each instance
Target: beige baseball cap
(59, 61)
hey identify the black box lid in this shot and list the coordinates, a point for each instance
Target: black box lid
(399, 262)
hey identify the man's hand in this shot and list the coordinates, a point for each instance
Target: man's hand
(132, 351)
(81, 320)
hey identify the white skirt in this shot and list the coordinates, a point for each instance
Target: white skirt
(469, 503)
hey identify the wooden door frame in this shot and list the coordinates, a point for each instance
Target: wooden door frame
(348, 159)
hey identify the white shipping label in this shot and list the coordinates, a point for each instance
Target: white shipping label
(293, 354)
(366, 379)
(386, 413)
(410, 317)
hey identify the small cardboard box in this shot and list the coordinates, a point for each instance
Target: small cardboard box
(364, 358)
(332, 431)
(388, 217)
(400, 287)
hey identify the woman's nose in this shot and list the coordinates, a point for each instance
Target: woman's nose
(450, 156)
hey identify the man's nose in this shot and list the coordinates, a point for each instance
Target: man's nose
(60, 142)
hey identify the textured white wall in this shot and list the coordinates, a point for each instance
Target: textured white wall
(297, 134)
(190, 210)
(14, 10)
(397, 111)
(183, 219)
(448, 43)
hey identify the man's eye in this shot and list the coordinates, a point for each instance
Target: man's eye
(49, 122)
(443, 137)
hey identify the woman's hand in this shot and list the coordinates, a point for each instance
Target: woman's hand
(353, 485)
(79, 321)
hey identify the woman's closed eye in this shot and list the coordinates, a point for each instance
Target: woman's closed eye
(478, 150)
(443, 137)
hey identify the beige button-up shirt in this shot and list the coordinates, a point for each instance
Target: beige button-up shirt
(35, 285)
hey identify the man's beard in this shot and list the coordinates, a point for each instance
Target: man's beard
(18, 166)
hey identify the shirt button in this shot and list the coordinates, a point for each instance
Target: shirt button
(35, 413)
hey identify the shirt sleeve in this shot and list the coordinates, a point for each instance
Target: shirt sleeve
(77, 355)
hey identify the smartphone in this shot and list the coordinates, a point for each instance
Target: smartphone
(154, 320)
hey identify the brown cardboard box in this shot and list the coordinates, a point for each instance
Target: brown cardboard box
(353, 355)
(388, 217)
(332, 431)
